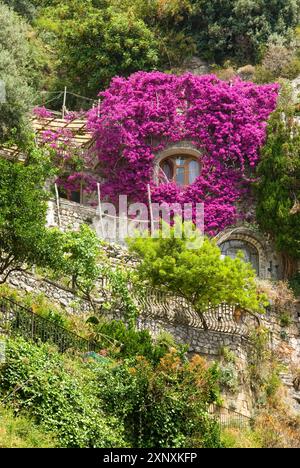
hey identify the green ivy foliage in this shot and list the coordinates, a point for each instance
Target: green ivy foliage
(60, 397)
(108, 403)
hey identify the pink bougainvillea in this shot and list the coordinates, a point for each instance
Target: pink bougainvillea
(148, 112)
(71, 161)
(42, 112)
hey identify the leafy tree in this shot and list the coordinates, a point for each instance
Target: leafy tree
(24, 239)
(200, 275)
(278, 189)
(19, 72)
(94, 44)
(80, 259)
(240, 28)
(25, 8)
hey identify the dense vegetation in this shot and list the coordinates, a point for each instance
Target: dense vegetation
(112, 403)
(90, 41)
(141, 392)
(278, 210)
(19, 70)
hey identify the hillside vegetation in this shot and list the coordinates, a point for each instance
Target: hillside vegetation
(138, 390)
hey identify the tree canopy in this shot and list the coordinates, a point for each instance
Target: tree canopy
(94, 40)
(240, 29)
(200, 275)
(278, 189)
(20, 64)
(94, 44)
(24, 239)
(25, 8)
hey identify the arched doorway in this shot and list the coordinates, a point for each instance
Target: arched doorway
(232, 247)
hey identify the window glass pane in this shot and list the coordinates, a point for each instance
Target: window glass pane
(180, 175)
(180, 161)
(194, 171)
(167, 170)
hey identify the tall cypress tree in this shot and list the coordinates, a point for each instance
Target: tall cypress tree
(278, 189)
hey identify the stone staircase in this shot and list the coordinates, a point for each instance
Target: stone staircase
(293, 390)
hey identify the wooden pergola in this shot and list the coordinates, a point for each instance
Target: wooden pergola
(81, 136)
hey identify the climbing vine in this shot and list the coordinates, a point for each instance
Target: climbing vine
(147, 112)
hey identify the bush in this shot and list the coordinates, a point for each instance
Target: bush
(166, 406)
(279, 62)
(128, 342)
(276, 428)
(105, 403)
(57, 393)
(279, 294)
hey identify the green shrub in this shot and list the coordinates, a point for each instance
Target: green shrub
(229, 378)
(105, 403)
(164, 406)
(128, 342)
(57, 393)
(285, 320)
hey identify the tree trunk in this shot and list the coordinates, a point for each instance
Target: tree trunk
(203, 321)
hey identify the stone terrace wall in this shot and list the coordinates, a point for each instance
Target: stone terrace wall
(71, 214)
(200, 341)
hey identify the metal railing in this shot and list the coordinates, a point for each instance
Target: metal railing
(229, 418)
(16, 319)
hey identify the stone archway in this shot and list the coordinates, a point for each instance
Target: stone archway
(256, 248)
(231, 247)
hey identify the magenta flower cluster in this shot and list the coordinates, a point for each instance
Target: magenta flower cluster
(146, 113)
(42, 112)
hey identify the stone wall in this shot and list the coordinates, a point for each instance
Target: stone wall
(286, 339)
(71, 215)
(199, 341)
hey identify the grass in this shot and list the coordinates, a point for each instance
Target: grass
(21, 432)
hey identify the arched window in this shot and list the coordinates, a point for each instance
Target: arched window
(181, 169)
(231, 248)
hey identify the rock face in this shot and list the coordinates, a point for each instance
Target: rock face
(246, 73)
(296, 89)
(197, 66)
